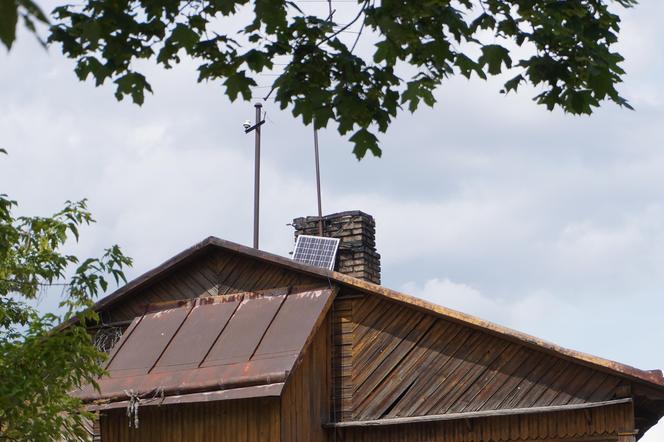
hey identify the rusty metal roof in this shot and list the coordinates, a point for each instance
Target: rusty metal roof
(210, 344)
(651, 377)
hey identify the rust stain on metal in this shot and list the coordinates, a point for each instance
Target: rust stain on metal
(195, 337)
(243, 334)
(213, 344)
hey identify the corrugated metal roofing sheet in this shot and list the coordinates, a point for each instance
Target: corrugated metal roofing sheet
(211, 344)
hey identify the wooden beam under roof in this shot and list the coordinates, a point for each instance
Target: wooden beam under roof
(471, 415)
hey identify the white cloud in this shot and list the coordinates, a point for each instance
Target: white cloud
(656, 434)
(538, 312)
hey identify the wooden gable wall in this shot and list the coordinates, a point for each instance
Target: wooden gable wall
(392, 361)
(213, 273)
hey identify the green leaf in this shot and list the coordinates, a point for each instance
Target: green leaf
(134, 84)
(418, 90)
(185, 37)
(365, 141)
(495, 56)
(385, 51)
(513, 84)
(484, 21)
(467, 66)
(8, 20)
(197, 22)
(239, 83)
(257, 60)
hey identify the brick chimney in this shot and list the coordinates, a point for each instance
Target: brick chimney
(356, 231)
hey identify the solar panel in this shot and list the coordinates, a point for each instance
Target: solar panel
(316, 251)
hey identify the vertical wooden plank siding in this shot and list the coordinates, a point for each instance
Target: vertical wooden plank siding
(391, 360)
(215, 273)
(305, 402)
(342, 358)
(598, 425)
(246, 420)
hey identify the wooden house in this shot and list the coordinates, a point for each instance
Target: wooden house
(228, 343)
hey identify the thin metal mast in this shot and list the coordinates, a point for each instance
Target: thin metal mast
(257, 173)
(257, 165)
(320, 206)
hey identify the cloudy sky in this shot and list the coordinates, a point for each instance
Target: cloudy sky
(543, 222)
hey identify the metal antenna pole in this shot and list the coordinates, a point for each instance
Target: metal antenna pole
(257, 172)
(320, 206)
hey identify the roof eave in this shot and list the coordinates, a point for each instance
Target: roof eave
(255, 391)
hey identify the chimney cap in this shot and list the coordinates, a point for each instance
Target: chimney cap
(335, 215)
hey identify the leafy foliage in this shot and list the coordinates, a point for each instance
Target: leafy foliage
(564, 50)
(566, 47)
(10, 11)
(40, 365)
(568, 41)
